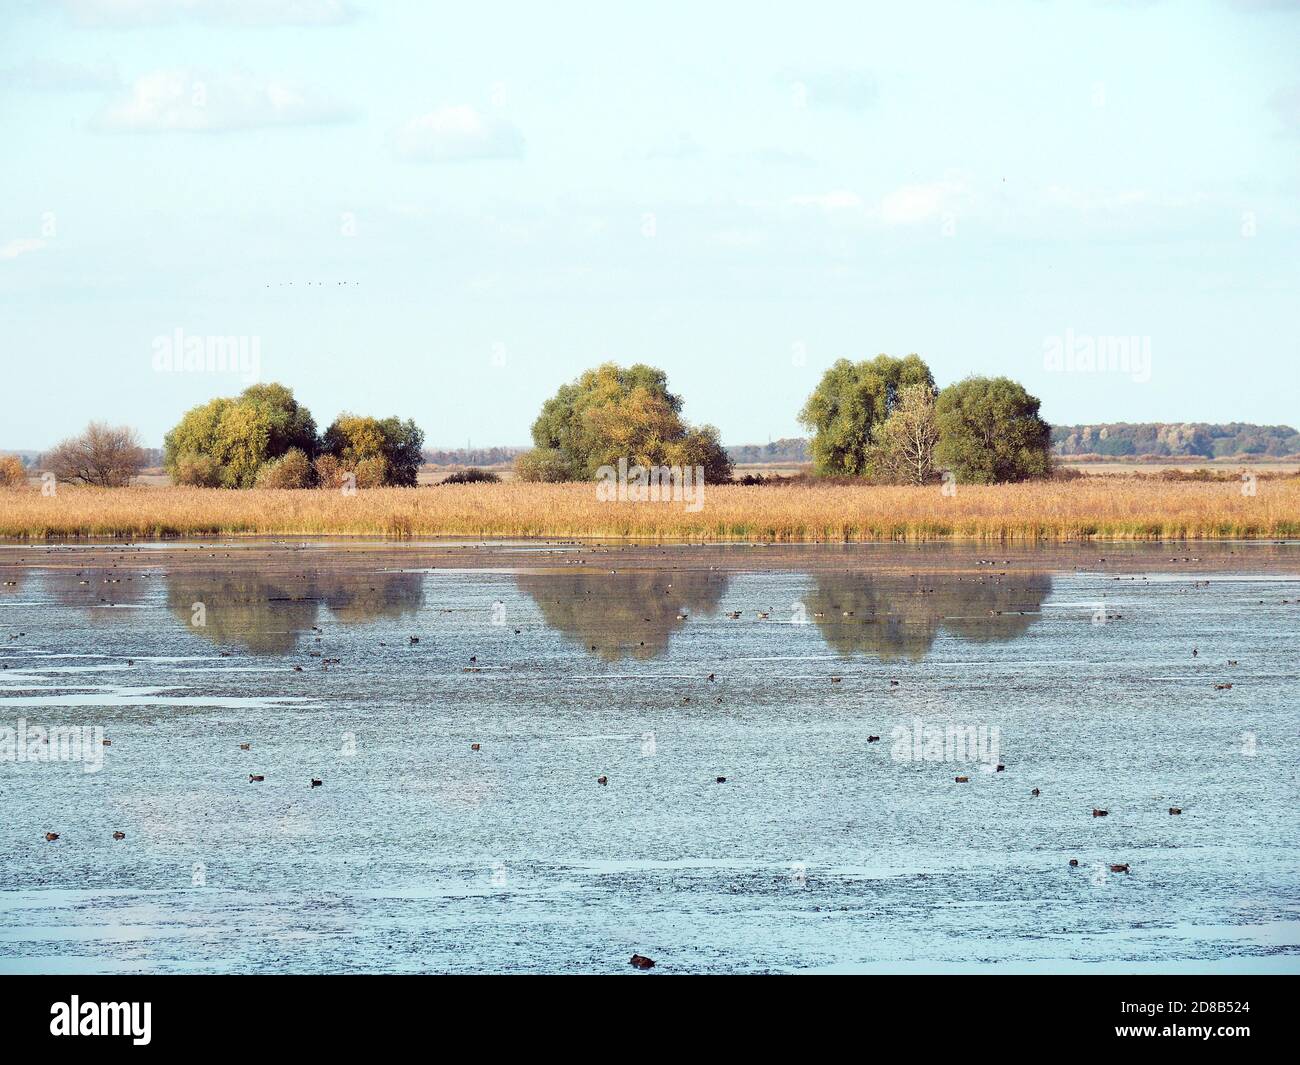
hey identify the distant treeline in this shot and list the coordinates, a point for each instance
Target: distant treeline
(790, 449)
(1176, 439)
(472, 456)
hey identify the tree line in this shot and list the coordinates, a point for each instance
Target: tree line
(882, 420)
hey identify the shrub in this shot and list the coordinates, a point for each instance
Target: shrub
(329, 472)
(200, 471)
(290, 470)
(542, 464)
(473, 475)
(13, 474)
(104, 455)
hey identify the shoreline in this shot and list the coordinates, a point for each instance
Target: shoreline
(596, 557)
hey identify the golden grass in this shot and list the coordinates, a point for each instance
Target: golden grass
(1104, 508)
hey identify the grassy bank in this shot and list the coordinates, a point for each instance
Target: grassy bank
(1110, 508)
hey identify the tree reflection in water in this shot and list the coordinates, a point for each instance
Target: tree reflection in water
(266, 615)
(623, 615)
(891, 617)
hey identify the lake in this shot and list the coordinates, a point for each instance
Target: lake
(1126, 678)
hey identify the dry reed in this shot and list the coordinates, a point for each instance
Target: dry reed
(1104, 508)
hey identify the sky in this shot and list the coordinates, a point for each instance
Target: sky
(446, 211)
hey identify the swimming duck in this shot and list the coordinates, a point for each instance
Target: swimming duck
(119, 835)
(1100, 813)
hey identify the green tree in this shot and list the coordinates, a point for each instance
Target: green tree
(226, 442)
(990, 431)
(614, 412)
(378, 451)
(849, 402)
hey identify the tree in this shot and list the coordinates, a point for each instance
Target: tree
(614, 412)
(376, 451)
(848, 403)
(227, 442)
(990, 431)
(104, 455)
(13, 474)
(904, 444)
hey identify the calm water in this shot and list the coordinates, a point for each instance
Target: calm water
(821, 851)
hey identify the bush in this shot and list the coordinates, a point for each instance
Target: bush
(329, 472)
(105, 455)
(473, 475)
(290, 470)
(372, 472)
(542, 464)
(198, 471)
(13, 474)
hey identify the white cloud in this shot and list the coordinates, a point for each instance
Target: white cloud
(847, 90)
(458, 132)
(907, 205)
(126, 13)
(191, 101)
(20, 246)
(920, 203)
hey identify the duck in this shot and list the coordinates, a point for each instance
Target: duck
(836, 680)
(961, 780)
(119, 835)
(1174, 811)
(1222, 687)
(1074, 862)
(476, 746)
(1100, 813)
(721, 780)
(50, 837)
(640, 961)
(602, 780)
(1035, 793)
(873, 739)
(1119, 867)
(245, 746)
(255, 778)
(712, 677)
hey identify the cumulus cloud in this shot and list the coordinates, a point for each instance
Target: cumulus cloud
(166, 101)
(847, 90)
(458, 132)
(20, 246)
(128, 13)
(920, 203)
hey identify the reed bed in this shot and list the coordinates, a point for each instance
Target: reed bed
(1101, 508)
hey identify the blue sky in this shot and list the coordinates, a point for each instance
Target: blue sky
(445, 213)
